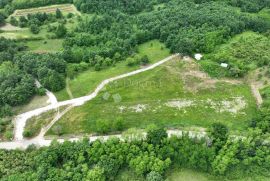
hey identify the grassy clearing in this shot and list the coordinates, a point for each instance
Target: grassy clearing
(65, 8)
(167, 96)
(87, 81)
(183, 175)
(50, 45)
(33, 125)
(25, 33)
(265, 13)
(36, 102)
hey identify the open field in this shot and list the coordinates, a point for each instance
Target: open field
(166, 96)
(65, 8)
(87, 81)
(36, 102)
(40, 46)
(183, 175)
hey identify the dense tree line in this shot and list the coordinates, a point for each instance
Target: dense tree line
(103, 6)
(150, 157)
(252, 6)
(24, 4)
(200, 29)
(183, 29)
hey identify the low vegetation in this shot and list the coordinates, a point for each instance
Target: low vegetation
(83, 80)
(166, 96)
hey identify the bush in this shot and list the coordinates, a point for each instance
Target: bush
(8, 135)
(28, 134)
(14, 21)
(118, 124)
(102, 126)
(34, 28)
(41, 91)
(58, 130)
(70, 15)
(154, 176)
(155, 135)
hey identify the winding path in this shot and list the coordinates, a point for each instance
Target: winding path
(20, 120)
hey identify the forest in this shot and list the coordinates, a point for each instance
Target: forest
(148, 158)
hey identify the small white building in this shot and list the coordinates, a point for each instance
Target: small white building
(224, 65)
(198, 56)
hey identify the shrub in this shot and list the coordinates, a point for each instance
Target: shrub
(118, 124)
(155, 135)
(102, 126)
(58, 130)
(28, 133)
(8, 135)
(154, 176)
(34, 28)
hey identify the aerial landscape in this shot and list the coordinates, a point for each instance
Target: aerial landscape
(135, 90)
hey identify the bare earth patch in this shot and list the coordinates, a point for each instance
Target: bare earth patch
(9, 27)
(179, 104)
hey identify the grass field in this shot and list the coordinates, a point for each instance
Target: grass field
(87, 81)
(36, 102)
(183, 175)
(35, 123)
(50, 45)
(173, 95)
(65, 8)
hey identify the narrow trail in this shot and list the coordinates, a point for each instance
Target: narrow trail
(20, 120)
(256, 93)
(68, 89)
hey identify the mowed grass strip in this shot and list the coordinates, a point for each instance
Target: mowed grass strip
(87, 81)
(160, 97)
(65, 8)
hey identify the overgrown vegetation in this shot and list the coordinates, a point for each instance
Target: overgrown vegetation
(243, 53)
(148, 158)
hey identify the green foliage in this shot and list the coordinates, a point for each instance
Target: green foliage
(58, 130)
(14, 21)
(60, 31)
(250, 5)
(243, 53)
(102, 160)
(58, 14)
(24, 4)
(102, 126)
(96, 174)
(219, 134)
(156, 135)
(154, 176)
(34, 29)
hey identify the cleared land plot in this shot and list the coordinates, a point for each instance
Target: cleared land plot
(173, 95)
(65, 8)
(87, 81)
